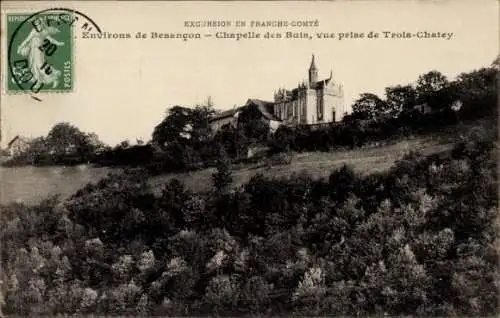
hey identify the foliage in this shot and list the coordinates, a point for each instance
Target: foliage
(368, 106)
(352, 132)
(64, 144)
(431, 87)
(234, 141)
(423, 241)
(419, 239)
(400, 98)
(182, 124)
(251, 124)
(222, 179)
(470, 96)
(183, 140)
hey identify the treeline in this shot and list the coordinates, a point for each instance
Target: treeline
(359, 133)
(419, 239)
(427, 107)
(65, 144)
(184, 140)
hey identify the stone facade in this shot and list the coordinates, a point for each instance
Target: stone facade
(312, 103)
(309, 103)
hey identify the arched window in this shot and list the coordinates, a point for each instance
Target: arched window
(320, 108)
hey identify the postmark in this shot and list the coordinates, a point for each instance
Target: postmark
(41, 50)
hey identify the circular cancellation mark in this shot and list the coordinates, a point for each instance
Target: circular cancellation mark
(41, 49)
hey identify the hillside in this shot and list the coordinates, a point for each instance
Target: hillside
(377, 157)
(419, 240)
(21, 181)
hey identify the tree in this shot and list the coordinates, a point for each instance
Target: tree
(400, 98)
(200, 121)
(255, 295)
(220, 294)
(234, 141)
(433, 89)
(36, 150)
(90, 144)
(369, 106)
(65, 139)
(432, 81)
(496, 63)
(171, 127)
(182, 124)
(124, 144)
(251, 123)
(478, 89)
(222, 179)
(283, 139)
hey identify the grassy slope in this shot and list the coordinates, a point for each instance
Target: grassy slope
(316, 164)
(321, 164)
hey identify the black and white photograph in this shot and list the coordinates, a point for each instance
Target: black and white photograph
(249, 159)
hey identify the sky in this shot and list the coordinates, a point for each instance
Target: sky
(123, 87)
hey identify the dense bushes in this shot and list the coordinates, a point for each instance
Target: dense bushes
(358, 133)
(132, 156)
(419, 239)
(65, 144)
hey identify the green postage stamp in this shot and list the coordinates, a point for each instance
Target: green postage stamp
(40, 52)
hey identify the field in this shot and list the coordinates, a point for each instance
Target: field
(31, 184)
(318, 164)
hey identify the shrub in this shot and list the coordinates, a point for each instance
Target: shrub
(419, 239)
(279, 159)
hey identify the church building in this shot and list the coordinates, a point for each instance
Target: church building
(314, 102)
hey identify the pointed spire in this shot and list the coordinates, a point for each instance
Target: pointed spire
(313, 74)
(331, 73)
(313, 64)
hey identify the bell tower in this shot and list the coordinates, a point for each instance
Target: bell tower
(313, 73)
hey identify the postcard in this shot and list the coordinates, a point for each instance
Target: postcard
(182, 158)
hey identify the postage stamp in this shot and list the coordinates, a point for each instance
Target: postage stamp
(40, 52)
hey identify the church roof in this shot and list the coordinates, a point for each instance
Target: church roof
(293, 94)
(323, 83)
(313, 64)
